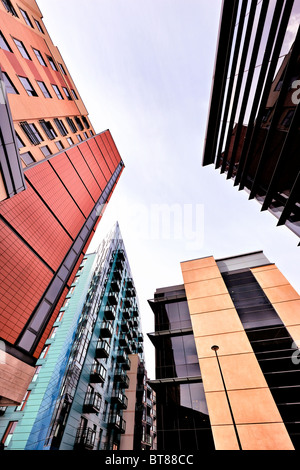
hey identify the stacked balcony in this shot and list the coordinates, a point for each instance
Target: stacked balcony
(125, 326)
(140, 337)
(102, 349)
(98, 373)
(110, 312)
(135, 312)
(123, 359)
(112, 298)
(119, 398)
(106, 330)
(85, 438)
(92, 403)
(126, 313)
(117, 423)
(121, 378)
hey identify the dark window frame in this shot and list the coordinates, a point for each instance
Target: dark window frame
(30, 91)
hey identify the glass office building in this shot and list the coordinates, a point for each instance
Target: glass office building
(252, 130)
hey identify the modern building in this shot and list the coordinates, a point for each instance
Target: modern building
(90, 387)
(252, 130)
(227, 357)
(56, 177)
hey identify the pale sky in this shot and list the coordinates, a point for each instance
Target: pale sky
(144, 71)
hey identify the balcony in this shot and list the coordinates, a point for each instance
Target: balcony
(102, 349)
(117, 422)
(85, 439)
(98, 373)
(130, 292)
(123, 359)
(148, 440)
(115, 285)
(110, 312)
(128, 302)
(149, 420)
(106, 330)
(140, 348)
(126, 313)
(120, 254)
(124, 326)
(149, 402)
(117, 276)
(123, 340)
(135, 312)
(112, 298)
(129, 283)
(140, 337)
(122, 378)
(92, 403)
(120, 398)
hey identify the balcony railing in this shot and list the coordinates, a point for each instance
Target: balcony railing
(117, 422)
(125, 326)
(85, 438)
(98, 373)
(135, 312)
(106, 329)
(102, 349)
(123, 340)
(92, 403)
(112, 298)
(149, 420)
(120, 398)
(129, 282)
(126, 313)
(122, 378)
(110, 312)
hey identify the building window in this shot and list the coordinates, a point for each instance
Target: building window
(61, 127)
(48, 129)
(67, 93)
(70, 141)
(85, 122)
(22, 49)
(288, 118)
(71, 125)
(62, 69)
(37, 371)
(52, 63)
(19, 141)
(86, 135)
(28, 87)
(59, 145)
(66, 303)
(9, 7)
(39, 26)
(44, 89)
(92, 133)
(79, 138)
(32, 133)
(27, 158)
(57, 92)
(39, 57)
(45, 351)
(24, 401)
(45, 151)
(4, 44)
(9, 86)
(74, 94)
(79, 123)
(9, 433)
(26, 17)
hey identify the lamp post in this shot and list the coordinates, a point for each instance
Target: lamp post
(215, 349)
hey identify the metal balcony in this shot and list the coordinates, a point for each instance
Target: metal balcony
(121, 377)
(123, 340)
(117, 422)
(130, 292)
(126, 313)
(112, 298)
(127, 302)
(120, 254)
(140, 337)
(123, 359)
(120, 398)
(102, 349)
(129, 283)
(115, 285)
(117, 275)
(110, 312)
(92, 403)
(85, 438)
(140, 347)
(106, 330)
(135, 312)
(124, 326)
(98, 373)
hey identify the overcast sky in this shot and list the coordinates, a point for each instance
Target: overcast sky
(144, 70)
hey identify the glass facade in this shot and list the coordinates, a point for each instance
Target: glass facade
(182, 415)
(253, 125)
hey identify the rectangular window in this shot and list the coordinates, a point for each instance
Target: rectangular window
(44, 89)
(9, 433)
(52, 63)
(9, 7)
(59, 145)
(27, 158)
(24, 401)
(85, 122)
(46, 151)
(67, 93)
(61, 127)
(74, 94)
(4, 44)
(39, 57)
(32, 133)
(9, 86)
(57, 92)
(86, 135)
(26, 17)
(45, 351)
(62, 69)
(48, 129)
(19, 141)
(22, 49)
(71, 125)
(79, 137)
(70, 141)
(39, 26)
(28, 87)
(79, 123)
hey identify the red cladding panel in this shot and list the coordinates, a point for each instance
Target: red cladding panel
(73, 274)
(73, 183)
(108, 156)
(23, 280)
(107, 135)
(51, 189)
(100, 159)
(29, 216)
(86, 175)
(93, 165)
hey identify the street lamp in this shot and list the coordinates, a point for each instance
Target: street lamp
(215, 348)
